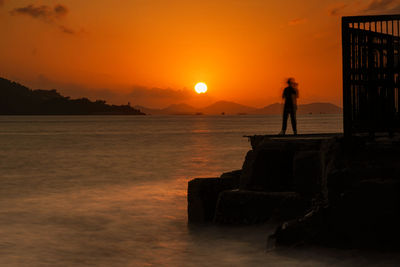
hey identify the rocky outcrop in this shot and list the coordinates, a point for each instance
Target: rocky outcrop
(362, 204)
(278, 177)
(325, 190)
(203, 195)
(366, 216)
(299, 164)
(249, 207)
(267, 169)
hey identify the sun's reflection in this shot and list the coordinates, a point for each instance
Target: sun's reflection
(201, 144)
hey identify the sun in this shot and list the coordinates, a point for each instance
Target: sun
(200, 88)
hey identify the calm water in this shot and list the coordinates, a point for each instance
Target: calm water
(111, 191)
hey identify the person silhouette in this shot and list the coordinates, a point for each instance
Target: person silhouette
(290, 95)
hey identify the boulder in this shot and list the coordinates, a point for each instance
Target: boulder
(202, 195)
(249, 207)
(267, 170)
(301, 230)
(234, 175)
(307, 172)
(287, 163)
(367, 214)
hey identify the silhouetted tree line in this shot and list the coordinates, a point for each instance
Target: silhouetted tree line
(16, 99)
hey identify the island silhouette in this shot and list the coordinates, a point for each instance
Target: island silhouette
(16, 99)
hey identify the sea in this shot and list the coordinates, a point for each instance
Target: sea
(111, 191)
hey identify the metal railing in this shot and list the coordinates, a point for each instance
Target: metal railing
(371, 69)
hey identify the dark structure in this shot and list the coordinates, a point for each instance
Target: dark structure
(371, 74)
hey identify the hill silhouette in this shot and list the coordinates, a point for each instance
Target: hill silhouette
(16, 99)
(232, 108)
(178, 109)
(228, 108)
(311, 108)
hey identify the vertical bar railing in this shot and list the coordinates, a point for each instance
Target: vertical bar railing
(371, 70)
(346, 84)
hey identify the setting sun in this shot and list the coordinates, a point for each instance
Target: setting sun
(200, 88)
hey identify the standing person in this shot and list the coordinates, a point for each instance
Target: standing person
(290, 95)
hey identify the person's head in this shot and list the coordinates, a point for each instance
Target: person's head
(291, 82)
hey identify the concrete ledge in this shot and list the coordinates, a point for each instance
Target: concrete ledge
(306, 141)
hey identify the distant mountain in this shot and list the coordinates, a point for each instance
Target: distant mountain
(180, 109)
(175, 109)
(16, 99)
(213, 109)
(227, 108)
(231, 108)
(149, 111)
(320, 108)
(312, 108)
(275, 108)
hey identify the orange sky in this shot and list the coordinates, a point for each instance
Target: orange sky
(152, 52)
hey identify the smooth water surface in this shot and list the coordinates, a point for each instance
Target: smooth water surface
(111, 191)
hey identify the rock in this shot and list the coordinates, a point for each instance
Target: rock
(366, 215)
(287, 164)
(301, 230)
(234, 175)
(203, 194)
(249, 207)
(333, 191)
(267, 170)
(307, 172)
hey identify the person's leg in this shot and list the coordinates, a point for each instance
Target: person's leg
(284, 121)
(293, 120)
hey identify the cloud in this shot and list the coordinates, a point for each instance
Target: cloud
(163, 97)
(75, 90)
(157, 97)
(337, 10)
(365, 7)
(379, 4)
(144, 92)
(137, 95)
(36, 12)
(391, 6)
(60, 10)
(297, 21)
(396, 9)
(66, 30)
(44, 13)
